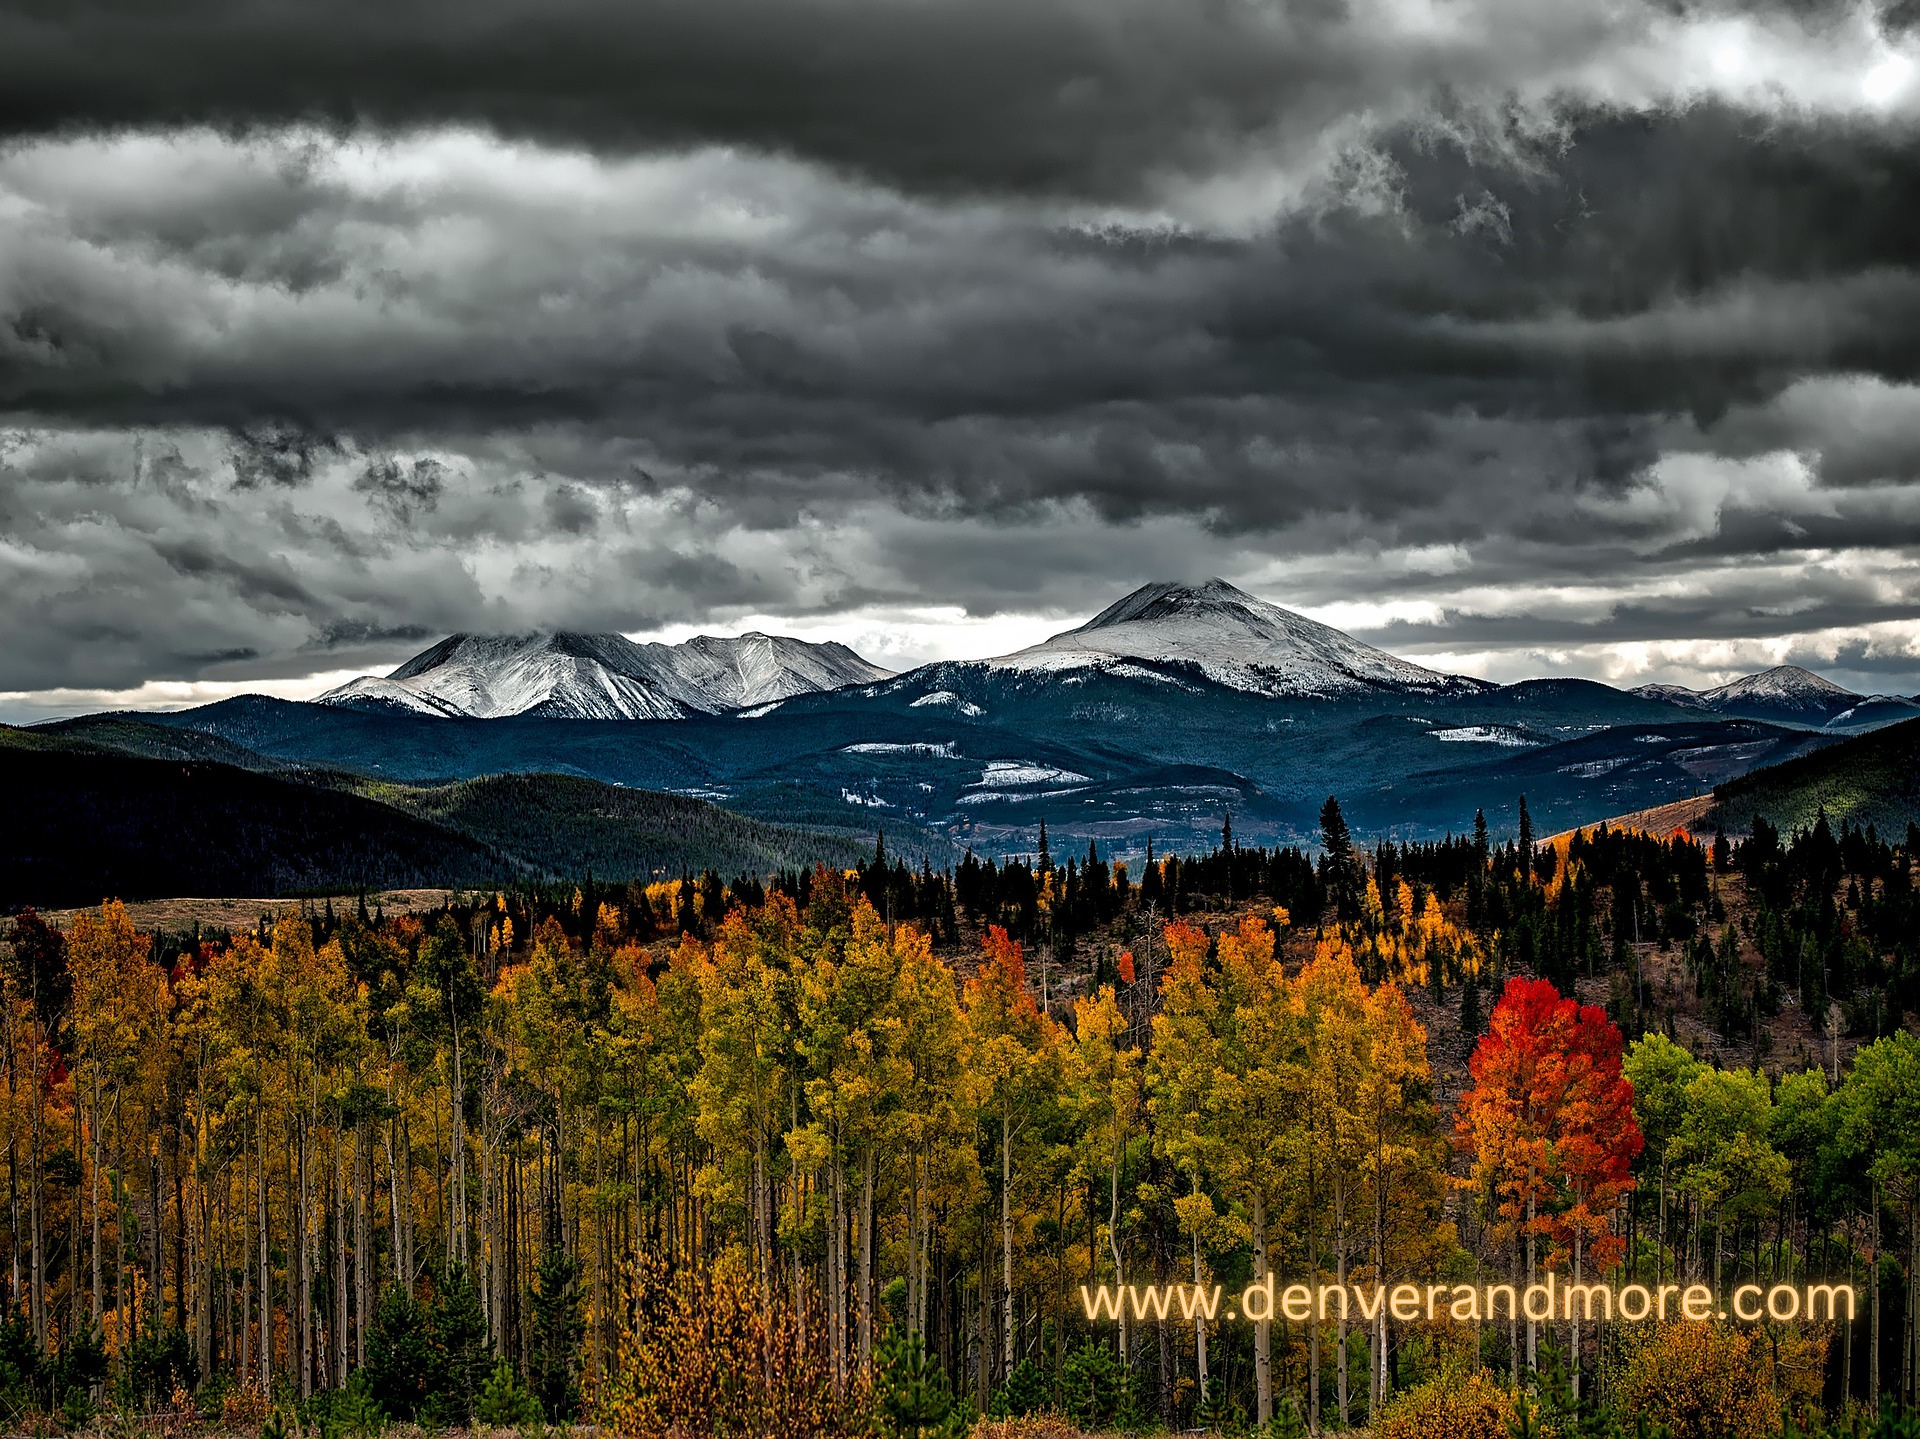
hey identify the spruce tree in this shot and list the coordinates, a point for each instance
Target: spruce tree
(1338, 869)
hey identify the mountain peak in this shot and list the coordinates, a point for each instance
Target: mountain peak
(1160, 599)
(1782, 681)
(1234, 639)
(1785, 694)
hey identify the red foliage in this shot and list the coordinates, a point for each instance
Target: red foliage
(1550, 1120)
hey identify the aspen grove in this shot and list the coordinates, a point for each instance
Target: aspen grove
(911, 1115)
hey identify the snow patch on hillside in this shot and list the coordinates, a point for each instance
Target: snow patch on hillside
(947, 697)
(1482, 734)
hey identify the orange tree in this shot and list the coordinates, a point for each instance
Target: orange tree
(1550, 1127)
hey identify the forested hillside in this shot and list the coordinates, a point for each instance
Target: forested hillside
(93, 824)
(571, 826)
(1872, 779)
(139, 811)
(843, 1147)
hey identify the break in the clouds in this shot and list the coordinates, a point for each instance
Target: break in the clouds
(1519, 338)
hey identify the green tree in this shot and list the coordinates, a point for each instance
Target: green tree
(557, 1328)
(462, 1351)
(1339, 869)
(504, 1402)
(401, 1357)
(1660, 1072)
(912, 1399)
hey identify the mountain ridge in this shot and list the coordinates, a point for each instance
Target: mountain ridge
(1787, 694)
(570, 674)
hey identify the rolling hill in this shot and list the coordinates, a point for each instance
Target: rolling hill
(139, 811)
(569, 825)
(88, 824)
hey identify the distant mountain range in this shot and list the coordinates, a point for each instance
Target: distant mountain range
(586, 676)
(1217, 632)
(1152, 721)
(1789, 695)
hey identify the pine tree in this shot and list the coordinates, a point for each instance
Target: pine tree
(462, 1351)
(1470, 1005)
(400, 1353)
(557, 1328)
(1338, 869)
(911, 1394)
(504, 1402)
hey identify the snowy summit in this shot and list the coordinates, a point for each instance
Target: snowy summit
(586, 676)
(1233, 639)
(1784, 694)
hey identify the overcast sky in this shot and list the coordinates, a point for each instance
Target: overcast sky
(1520, 338)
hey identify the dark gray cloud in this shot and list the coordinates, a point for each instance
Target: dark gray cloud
(1103, 100)
(1523, 337)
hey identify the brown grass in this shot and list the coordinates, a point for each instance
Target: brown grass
(179, 916)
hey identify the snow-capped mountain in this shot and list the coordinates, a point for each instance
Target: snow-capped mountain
(1785, 693)
(1673, 695)
(1233, 639)
(585, 676)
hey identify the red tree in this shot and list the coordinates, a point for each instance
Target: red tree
(1549, 1122)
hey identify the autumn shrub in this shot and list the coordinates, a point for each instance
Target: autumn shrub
(244, 1406)
(1465, 1406)
(1028, 1426)
(1701, 1381)
(711, 1354)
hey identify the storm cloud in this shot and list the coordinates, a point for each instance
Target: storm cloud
(1519, 338)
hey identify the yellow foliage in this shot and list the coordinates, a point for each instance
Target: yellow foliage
(1470, 1406)
(1702, 1382)
(1033, 1426)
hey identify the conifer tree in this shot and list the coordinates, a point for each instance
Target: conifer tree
(557, 1326)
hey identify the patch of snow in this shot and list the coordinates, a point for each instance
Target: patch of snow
(1482, 734)
(1594, 768)
(943, 750)
(1023, 772)
(871, 801)
(1016, 796)
(947, 697)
